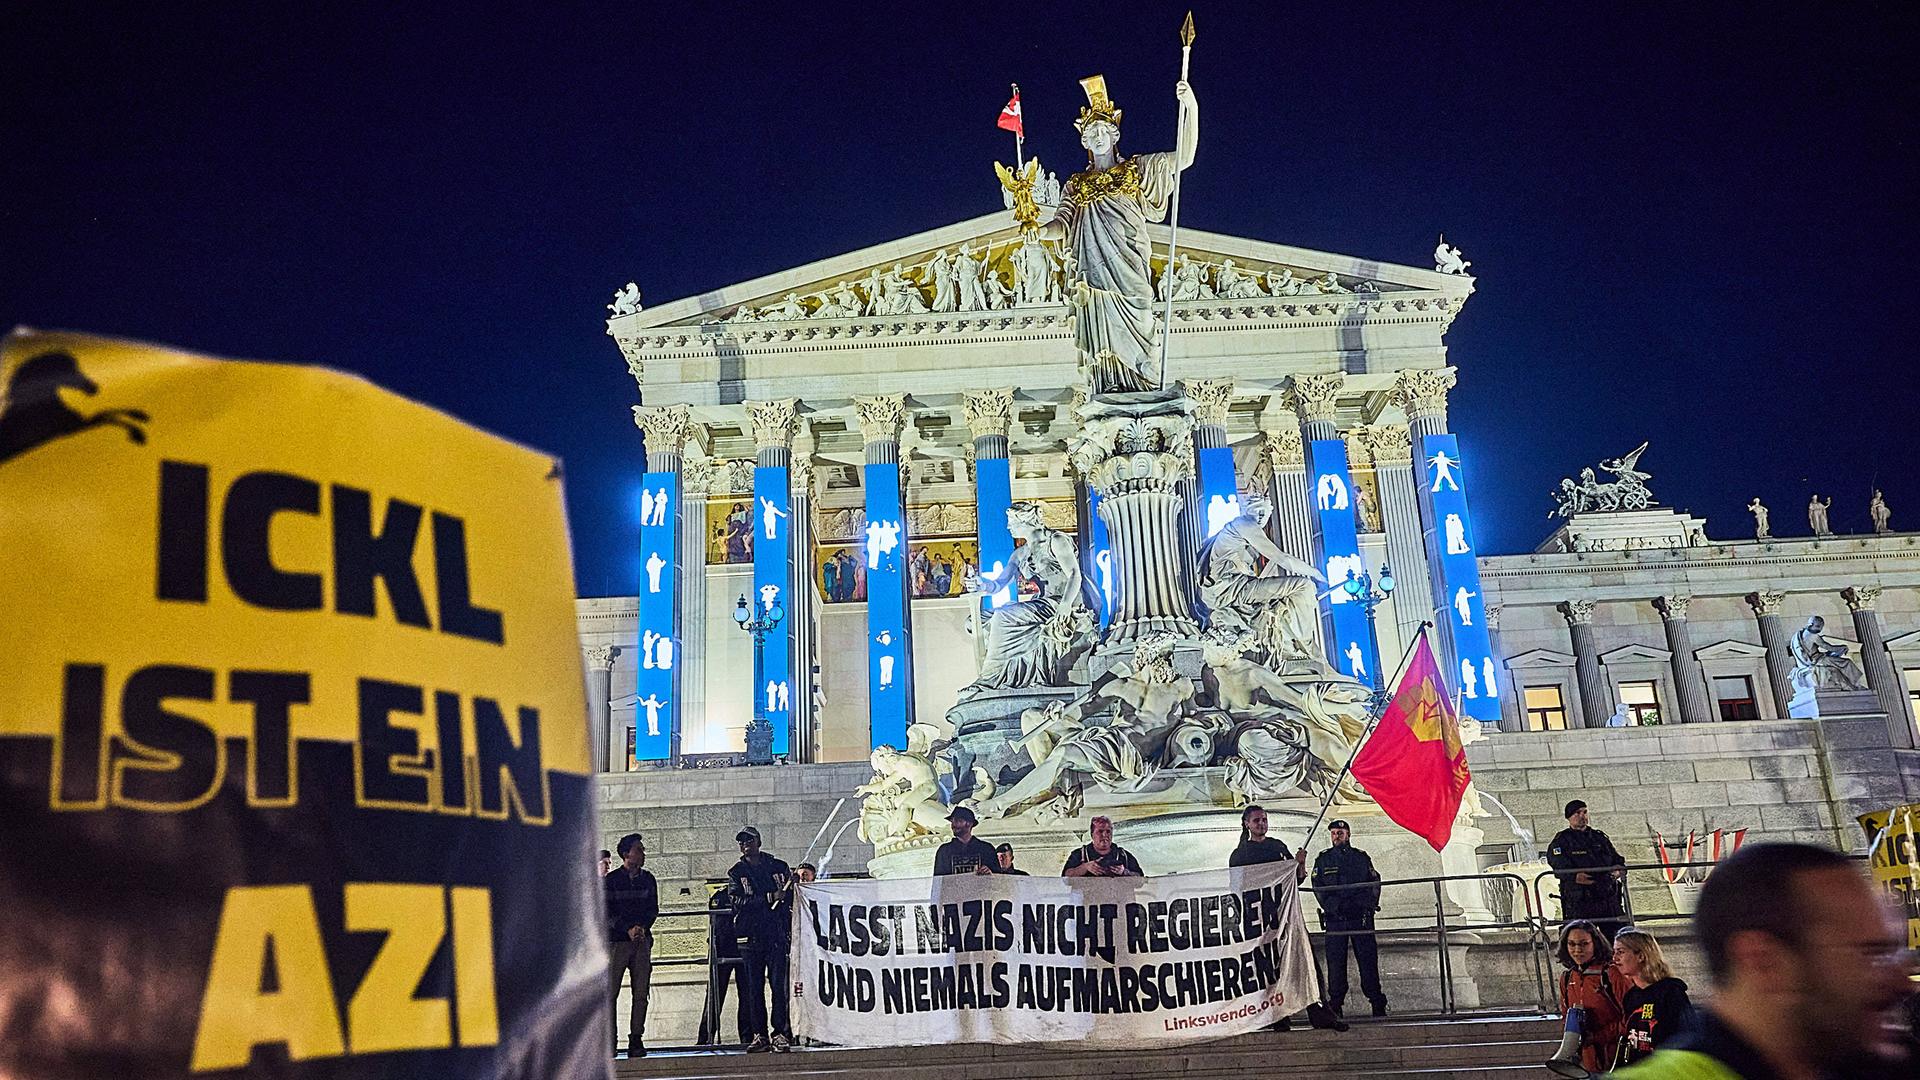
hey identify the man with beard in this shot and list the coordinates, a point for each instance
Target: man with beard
(1810, 972)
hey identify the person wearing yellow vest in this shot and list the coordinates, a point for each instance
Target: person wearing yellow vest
(1810, 970)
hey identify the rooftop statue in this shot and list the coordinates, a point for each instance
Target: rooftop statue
(1102, 227)
(1447, 260)
(1627, 491)
(625, 301)
(1877, 510)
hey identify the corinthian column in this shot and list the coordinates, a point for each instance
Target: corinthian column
(1286, 458)
(889, 629)
(600, 706)
(805, 602)
(664, 433)
(989, 416)
(1766, 613)
(1314, 398)
(1596, 702)
(1392, 453)
(1422, 394)
(774, 522)
(1213, 469)
(1687, 676)
(1882, 676)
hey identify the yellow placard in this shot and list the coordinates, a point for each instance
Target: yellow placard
(1894, 834)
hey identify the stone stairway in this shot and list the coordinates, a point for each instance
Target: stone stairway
(1480, 1048)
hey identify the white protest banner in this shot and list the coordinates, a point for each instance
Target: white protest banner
(1004, 959)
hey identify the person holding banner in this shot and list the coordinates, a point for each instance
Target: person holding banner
(761, 888)
(633, 904)
(1257, 847)
(1102, 857)
(965, 853)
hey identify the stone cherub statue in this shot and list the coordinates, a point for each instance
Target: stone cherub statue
(1102, 228)
(1252, 587)
(1033, 640)
(1820, 664)
(902, 800)
(1760, 529)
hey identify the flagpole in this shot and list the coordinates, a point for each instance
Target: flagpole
(1020, 136)
(1373, 720)
(1173, 227)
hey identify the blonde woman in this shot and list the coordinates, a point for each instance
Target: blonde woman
(1656, 1006)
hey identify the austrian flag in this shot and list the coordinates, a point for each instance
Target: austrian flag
(1010, 116)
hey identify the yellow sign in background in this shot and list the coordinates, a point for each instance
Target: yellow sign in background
(1894, 834)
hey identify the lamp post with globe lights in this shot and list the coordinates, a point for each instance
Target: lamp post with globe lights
(1363, 588)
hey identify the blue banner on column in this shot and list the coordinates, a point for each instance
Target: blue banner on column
(772, 582)
(993, 495)
(1444, 494)
(1100, 556)
(1337, 551)
(1219, 494)
(653, 707)
(887, 659)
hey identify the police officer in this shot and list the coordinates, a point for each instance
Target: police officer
(1347, 915)
(1589, 880)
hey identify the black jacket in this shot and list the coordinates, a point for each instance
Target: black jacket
(954, 857)
(632, 900)
(1586, 849)
(762, 894)
(1655, 1015)
(1344, 864)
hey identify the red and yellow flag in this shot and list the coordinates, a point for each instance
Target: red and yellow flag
(1414, 766)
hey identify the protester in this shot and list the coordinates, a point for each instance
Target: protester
(605, 862)
(1101, 857)
(1257, 847)
(723, 952)
(965, 853)
(633, 904)
(1592, 993)
(1347, 916)
(1656, 1005)
(1005, 853)
(1810, 974)
(762, 890)
(805, 873)
(1576, 851)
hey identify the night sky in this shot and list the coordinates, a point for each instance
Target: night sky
(1689, 221)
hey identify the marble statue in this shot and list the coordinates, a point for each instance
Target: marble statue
(1051, 194)
(1036, 275)
(967, 270)
(1102, 227)
(940, 272)
(789, 307)
(999, 297)
(1287, 732)
(1627, 491)
(902, 295)
(1882, 517)
(1035, 639)
(875, 284)
(1820, 664)
(1235, 283)
(1447, 260)
(1282, 283)
(1761, 531)
(1817, 515)
(1251, 587)
(902, 801)
(1070, 747)
(841, 303)
(1366, 510)
(1331, 285)
(743, 314)
(625, 301)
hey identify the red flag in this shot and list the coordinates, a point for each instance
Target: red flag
(1415, 766)
(1010, 116)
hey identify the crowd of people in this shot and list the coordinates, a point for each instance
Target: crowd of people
(1810, 970)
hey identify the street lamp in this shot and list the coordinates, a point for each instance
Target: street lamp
(760, 731)
(1361, 587)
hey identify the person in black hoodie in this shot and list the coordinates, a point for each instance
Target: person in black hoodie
(761, 888)
(1656, 1007)
(1257, 847)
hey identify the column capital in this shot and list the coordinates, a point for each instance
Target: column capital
(601, 656)
(988, 412)
(1765, 602)
(774, 422)
(1672, 608)
(1423, 391)
(1283, 449)
(665, 427)
(1578, 612)
(1390, 444)
(882, 416)
(1490, 615)
(1313, 397)
(1211, 399)
(1861, 597)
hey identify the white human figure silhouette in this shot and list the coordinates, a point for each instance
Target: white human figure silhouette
(1220, 510)
(770, 516)
(653, 704)
(646, 507)
(664, 646)
(885, 637)
(773, 694)
(768, 594)
(1460, 605)
(882, 538)
(655, 564)
(1456, 535)
(1443, 473)
(1338, 567)
(1467, 684)
(1332, 492)
(1003, 595)
(785, 698)
(1356, 664)
(1103, 561)
(646, 649)
(1486, 679)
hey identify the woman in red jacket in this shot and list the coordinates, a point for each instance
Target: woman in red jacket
(1593, 985)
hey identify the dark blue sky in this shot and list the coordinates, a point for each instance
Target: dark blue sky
(1688, 221)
